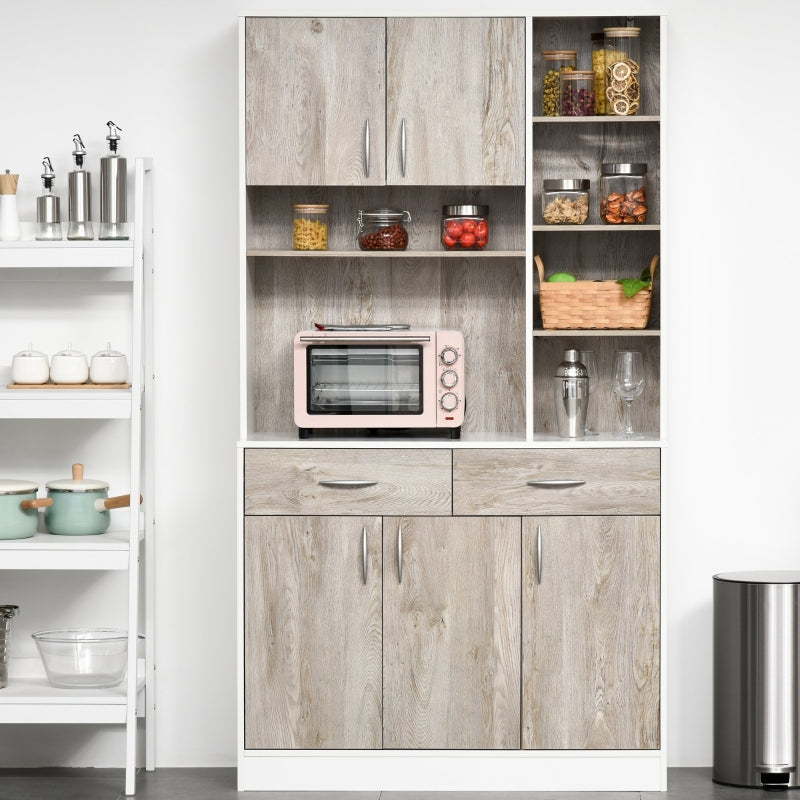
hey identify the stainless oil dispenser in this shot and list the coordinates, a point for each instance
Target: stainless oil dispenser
(79, 184)
(113, 188)
(48, 207)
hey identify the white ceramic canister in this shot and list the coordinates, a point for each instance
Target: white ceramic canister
(30, 367)
(69, 366)
(108, 366)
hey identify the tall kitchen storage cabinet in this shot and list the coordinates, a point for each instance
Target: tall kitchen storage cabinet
(86, 294)
(421, 613)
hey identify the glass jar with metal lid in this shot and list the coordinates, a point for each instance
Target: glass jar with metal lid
(383, 229)
(565, 202)
(555, 62)
(622, 67)
(623, 194)
(310, 230)
(578, 97)
(465, 227)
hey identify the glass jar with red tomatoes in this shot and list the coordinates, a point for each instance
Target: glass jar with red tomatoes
(465, 227)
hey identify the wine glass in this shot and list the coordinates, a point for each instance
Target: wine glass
(628, 385)
(589, 361)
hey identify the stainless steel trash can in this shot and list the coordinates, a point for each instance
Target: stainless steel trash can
(756, 640)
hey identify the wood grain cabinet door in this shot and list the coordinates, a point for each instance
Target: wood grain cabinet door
(590, 633)
(455, 101)
(312, 609)
(312, 85)
(451, 633)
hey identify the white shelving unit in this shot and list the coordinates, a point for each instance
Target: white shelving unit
(125, 267)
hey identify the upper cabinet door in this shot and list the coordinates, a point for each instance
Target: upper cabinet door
(455, 101)
(314, 88)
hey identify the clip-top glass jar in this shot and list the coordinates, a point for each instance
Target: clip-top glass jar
(622, 66)
(465, 227)
(383, 229)
(310, 230)
(623, 194)
(565, 202)
(555, 62)
(577, 94)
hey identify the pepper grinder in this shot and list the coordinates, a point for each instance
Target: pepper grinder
(9, 216)
(48, 207)
(80, 227)
(571, 394)
(113, 188)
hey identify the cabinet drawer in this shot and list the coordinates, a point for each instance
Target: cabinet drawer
(556, 481)
(311, 481)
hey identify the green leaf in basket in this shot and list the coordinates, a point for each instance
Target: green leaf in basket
(632, 286)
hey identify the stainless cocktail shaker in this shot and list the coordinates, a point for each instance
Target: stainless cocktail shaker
(571, 395)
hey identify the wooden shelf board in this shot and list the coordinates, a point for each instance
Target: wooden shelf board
(386, 253)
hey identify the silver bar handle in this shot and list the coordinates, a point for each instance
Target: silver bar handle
(366, 148)
(538, 554)
(346, 484)
(399, 553)
(403, 148)
(364, 339)
(557, 483)
(364, 553)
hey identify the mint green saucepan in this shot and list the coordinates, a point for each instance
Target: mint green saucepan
(80, 506)
(19, 517)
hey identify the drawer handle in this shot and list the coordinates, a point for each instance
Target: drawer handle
(347, 484)
(403, 147)
(538, 554)
(364, 553)
(399, 553)
(366, 147)
(555, 483)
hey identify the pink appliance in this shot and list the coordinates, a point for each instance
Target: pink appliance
(378, 376)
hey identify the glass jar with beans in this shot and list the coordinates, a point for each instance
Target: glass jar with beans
(554, 63)
(383, 229)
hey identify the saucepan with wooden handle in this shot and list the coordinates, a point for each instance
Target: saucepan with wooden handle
(19, 517)
(81, 506)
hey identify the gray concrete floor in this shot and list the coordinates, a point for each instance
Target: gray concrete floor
(220, 784)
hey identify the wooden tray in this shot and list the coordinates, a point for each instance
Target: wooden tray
(87, 385)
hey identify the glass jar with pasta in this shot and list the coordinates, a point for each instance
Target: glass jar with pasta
(310, 227)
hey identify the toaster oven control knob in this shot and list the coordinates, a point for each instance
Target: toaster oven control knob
(449, 355)
(449, 402)
(449, 378)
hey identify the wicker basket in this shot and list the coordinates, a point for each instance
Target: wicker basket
(590, 305)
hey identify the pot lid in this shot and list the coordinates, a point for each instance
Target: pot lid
(9, 486)
(30, 353)
(70, 353)
(108, 353)
(77, 483)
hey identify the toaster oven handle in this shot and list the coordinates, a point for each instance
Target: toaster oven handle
(555, 483)
(370, 338)
(347, 484)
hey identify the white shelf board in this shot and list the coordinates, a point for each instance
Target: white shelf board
(62, 403)
(106, 551)
(632, 228)
(610, 119)
(582, 332)
(27, 253)
(29, 698)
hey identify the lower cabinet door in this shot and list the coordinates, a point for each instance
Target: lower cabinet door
(451, 617)
(312, 615)
(590, 633)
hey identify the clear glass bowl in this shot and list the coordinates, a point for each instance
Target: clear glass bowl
(84, 658)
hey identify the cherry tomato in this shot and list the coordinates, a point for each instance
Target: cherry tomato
(481, 242)
(454, 229)
(449, 241)
(467, 239)
(470, 225)
(482, 229)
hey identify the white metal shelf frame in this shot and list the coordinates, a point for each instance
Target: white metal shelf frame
(29, 697)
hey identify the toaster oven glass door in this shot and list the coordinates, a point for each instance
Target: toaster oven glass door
(364, 379)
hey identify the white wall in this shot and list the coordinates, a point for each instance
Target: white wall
(167, 74)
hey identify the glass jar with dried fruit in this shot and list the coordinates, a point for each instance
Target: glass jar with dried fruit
(554, 63)
(623, 194)
(565, 202)
(623, 71)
